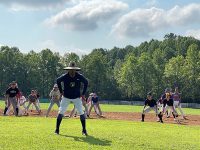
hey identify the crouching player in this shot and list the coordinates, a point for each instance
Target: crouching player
(32, 98)
(21, 104)
(169, 103)
(96, 105)
(152, 105)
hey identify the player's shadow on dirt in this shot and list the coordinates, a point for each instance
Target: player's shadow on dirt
(90, 139)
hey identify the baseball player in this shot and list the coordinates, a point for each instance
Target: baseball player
(55, 98)
(11, 93)
(38, 100)
(168, 102)
(95, 104)
(160, 104)
(21, 104)
(177, 102)
(32, 98)
(169, 92)
(152, 105)
(71, 93)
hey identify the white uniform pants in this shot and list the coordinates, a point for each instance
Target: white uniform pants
(65, 103)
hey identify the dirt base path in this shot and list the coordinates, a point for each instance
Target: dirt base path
(130, 116)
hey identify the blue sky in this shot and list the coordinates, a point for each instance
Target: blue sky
(82, 25)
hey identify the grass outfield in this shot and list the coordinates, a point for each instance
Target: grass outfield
(115, 108)
(21, 133)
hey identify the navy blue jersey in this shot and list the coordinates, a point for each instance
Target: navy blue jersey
(150, 103)
(12, 92)
(72, 85)
(169, 102)
(95, 99)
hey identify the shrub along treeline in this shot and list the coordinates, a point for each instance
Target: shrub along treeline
(119, 73)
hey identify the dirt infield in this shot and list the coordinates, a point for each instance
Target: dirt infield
(150, 117)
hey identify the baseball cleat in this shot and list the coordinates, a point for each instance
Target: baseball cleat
(84, 132)
(57, 131)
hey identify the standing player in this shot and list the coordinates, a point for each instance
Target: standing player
(32, 98)
(55, 98)
(152, 105)
(177, 101)
(11, 93)
(71, 93)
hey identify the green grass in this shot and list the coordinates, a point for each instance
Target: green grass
(116, 108)
(21, 133)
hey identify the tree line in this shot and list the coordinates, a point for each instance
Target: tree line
(119, 73)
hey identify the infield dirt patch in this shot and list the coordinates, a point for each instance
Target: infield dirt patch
(129, 116)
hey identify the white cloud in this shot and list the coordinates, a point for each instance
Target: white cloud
(50, 44)
(144, 22)
(87, 14)
(18, 5)
(193, 33)
(55, 47)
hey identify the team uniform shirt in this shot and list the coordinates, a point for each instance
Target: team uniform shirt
(32, 98)
(169, 102)
(12, 92)
(95, 100)
(72, 85)
(55, 95)
(176, 97)
(150, 103)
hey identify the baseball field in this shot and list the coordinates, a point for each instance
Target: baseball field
(119, 129)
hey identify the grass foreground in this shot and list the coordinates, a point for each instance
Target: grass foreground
(21, 133)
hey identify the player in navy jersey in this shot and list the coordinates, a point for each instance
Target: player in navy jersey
(72, 81)
(169, 103)
(149, 105)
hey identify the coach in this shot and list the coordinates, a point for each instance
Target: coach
(11, 94)
(72, 92)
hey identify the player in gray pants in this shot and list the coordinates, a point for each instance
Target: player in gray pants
(55, 98)
(11, 93)
(32, 100)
